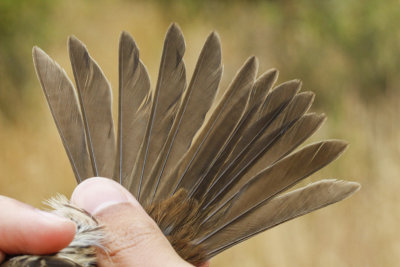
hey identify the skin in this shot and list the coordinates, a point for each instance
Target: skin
(26, 230)
(134, 237)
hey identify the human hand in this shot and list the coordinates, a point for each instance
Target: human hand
(134, 239)
(27, 230)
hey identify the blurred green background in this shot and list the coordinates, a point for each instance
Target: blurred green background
(348, 52)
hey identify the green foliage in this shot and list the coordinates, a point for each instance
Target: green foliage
(356, 42)
(335, 47)
(21, 22)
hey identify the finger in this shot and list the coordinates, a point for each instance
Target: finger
(205, 264)
(133, 238)
(24, 229)
(2, 257)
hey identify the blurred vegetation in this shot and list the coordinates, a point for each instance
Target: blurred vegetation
(345, 51)
(334, 46)
(21, 22)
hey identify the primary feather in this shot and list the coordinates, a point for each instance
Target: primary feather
(193, 108)
(168, 91)
(211, 174)
(95, 102)
(64, 107)
(134, 105)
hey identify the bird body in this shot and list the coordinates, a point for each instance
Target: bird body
(210, 172)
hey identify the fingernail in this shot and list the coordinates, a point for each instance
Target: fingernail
(96, 194)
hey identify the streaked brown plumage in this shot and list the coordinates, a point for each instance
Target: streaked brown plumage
(211, 173)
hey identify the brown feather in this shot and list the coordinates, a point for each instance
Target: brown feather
(170, 85)
(210, 173)
(133, 109)
(253, 145)
(95, 101)
(63, 102)
(216, 130)
(195, 103)
(284, 174)
(279, 210)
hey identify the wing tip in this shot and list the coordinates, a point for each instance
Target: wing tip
(126, 40)
(298, 82)
(126, 36)
(252, 63)
(39, 57)
(294, 85)
(308, 94)
(74, 43)
(72, 38)
(322, 116)
(214, 40)
(340, 144)
(343, 189)
(36, 52)
(319, 118)
(274, 72)
(354, 187)
(174, 29)
(215, 37)
(253, 60)
(35, 49)
(175, 36)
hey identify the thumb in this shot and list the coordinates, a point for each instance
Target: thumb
(132, 237)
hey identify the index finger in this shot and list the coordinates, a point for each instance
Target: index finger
(27, 230)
